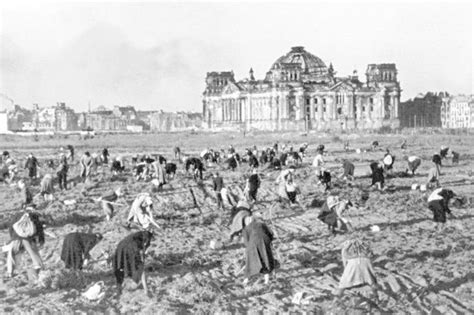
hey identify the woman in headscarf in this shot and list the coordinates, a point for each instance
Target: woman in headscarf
(26, 235)
(286, 187)
(258, 249)
(237, 216)
(141, 212)
(46, 187)
(332, 214)
(358, 271)
(129, 259)
(76, 248)
(438, 203)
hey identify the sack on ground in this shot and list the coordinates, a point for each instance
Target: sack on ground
(25, 227)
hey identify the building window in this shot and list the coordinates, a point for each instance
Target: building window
(324, 109)
(371, 100)
(363, 108)
(324, 102)
(308, 101)
(316, 109)
(315, 100)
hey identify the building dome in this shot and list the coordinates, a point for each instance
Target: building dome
(309, 63)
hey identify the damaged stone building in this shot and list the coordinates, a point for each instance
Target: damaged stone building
(300, 92)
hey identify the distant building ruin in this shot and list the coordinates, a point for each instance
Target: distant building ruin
(300, 92)
(181, 121)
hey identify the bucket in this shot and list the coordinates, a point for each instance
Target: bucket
(423, 187)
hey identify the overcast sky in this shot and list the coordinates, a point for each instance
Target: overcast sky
(155, 55)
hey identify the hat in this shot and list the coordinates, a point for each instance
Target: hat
(332, 201)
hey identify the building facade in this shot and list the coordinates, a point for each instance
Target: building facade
(457, 112)
(300, 92)
(422, 111)
(181, 121)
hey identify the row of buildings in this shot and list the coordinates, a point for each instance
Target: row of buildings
(299, 92)
(438, 110)
(61, 118)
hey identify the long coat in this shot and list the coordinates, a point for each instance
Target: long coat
(128, 258)
(76, 247)
(258, 250)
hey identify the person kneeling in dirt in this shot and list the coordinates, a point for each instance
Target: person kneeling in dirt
(26, 234)
(438, 203)
(413, 163)
(358, 270)
(332, 214)
(141, 212)
(108, 200)
(258, 249)
(76, 247)
(378, 178)
(129, 259)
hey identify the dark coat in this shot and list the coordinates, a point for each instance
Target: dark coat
(348, 168)
(258, 250)
(328, 216)
(128, 259)
(377, 173)
(76, 247)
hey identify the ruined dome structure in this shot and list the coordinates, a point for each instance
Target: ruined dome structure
(298, 65)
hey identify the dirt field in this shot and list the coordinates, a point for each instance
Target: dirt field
(419, 271)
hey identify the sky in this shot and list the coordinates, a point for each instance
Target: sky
(155, 55)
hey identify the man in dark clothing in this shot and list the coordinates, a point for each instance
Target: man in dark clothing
(253, 185)
(62, 172)
(32, 166)
(218, 184)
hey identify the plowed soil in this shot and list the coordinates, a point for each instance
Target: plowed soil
(419, 270)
